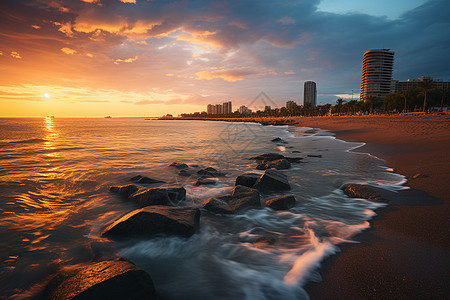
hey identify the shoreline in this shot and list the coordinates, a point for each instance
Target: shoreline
(406, 252)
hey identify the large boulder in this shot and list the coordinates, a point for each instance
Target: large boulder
(115, 279)
(279, 164)
(272, 180)
(279, 141)
(156, 219)
(159, 195)
(244, 197)
(281, 203)
(355, 190)
(218, 205)
(247, 179)
(145, 180)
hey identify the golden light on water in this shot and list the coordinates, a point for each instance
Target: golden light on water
(50, 137)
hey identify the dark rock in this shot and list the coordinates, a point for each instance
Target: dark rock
(281, 203)
(116, 279)
(179, 165)
(296, 151)
(185, 173)
(194, 166)
(267, 157)
(280, 164)
(205, 181)
(294, 160)
(158, 195)
(279, 141)
(125, 190)
(210, 172)
(272, 180)
(218, 205)
(145, 180)
(244, 197)
(355, 190)
(156, 219)
(247, 179)
(314, 155)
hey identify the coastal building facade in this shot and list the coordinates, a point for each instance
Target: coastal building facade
(412, 84)
(219, 109)
(376, 79)
(244, 110)
(227, 108)
(310, 93)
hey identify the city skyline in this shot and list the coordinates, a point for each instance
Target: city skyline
(133, 58)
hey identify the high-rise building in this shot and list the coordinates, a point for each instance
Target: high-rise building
(227, 109)
(376, 79)
(209, 109)
(244, 110)
(309, 93)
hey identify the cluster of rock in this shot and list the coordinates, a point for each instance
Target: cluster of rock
(246, 193)
(274, 161)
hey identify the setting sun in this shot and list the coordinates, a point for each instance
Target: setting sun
(46, 95)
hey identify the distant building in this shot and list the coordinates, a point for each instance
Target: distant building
(412, 84)
(209, 109)
(290, 104)
(244, 110)
(227, 108)
(376, 79)
(267, 108)
(310, 93)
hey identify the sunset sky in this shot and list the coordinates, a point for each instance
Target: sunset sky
(87, 58)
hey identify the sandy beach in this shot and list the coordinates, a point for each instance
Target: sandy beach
(405, 254)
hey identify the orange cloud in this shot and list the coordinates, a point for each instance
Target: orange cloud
(36, 26)
(128, 60)
(225, 75)
(68, 51)
(16, 54)
(128, 1)
(199, 37)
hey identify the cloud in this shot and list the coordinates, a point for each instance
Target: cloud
(128, 1)
(68, 51)
(227, 75)
(36, 26)
(16, 54)
(127, 60)
(146, 102)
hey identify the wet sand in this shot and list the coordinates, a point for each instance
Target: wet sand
(406, 253)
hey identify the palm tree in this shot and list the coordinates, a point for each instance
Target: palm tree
(406, 94)
(371, 100)
(425, 85)
(339, 103)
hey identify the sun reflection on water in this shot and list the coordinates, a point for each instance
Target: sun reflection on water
(50, 137)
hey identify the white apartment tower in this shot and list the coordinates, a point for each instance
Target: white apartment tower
(376, 79)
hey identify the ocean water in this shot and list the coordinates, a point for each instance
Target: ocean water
(54, 203)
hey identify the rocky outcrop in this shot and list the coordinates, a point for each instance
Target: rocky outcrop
(116, 279)
(218, 205)
(314, 155)
(150, 196)
(281, 203)
(355, 190)
(244, 197)
(185, 173)
(247, 179)
(272, 180)
(279, 164)
(159, 195)
(156, 219)
(145, 180)
(179, 165)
